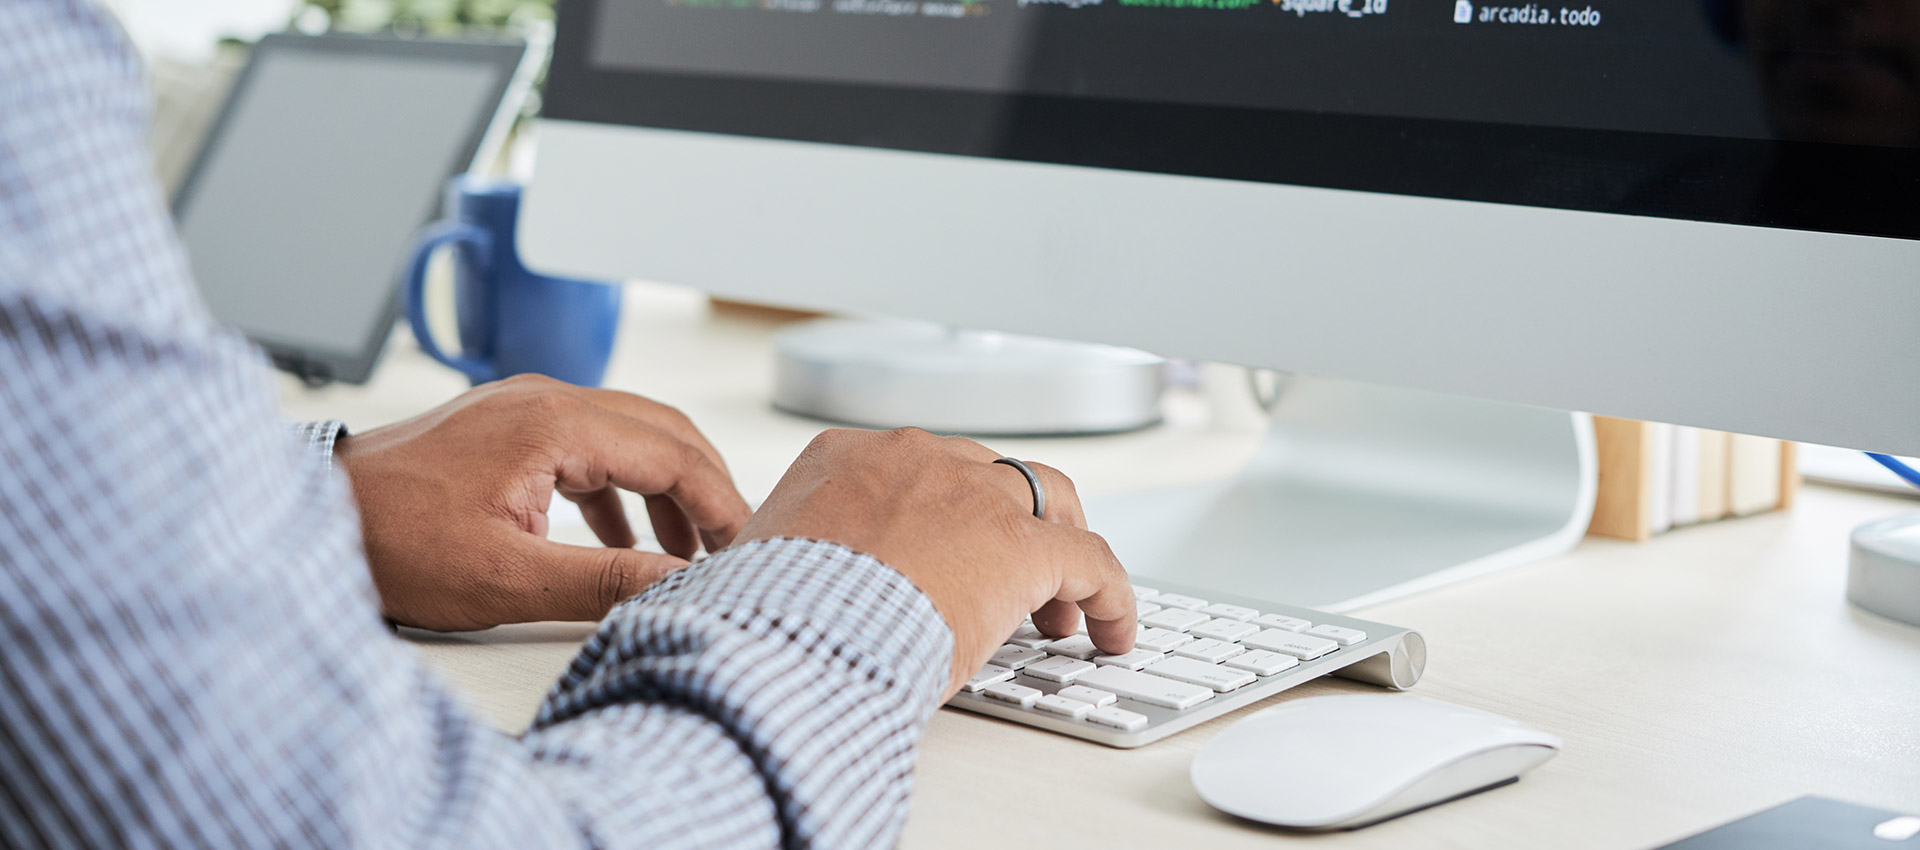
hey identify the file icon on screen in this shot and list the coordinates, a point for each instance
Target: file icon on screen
(1462, 11)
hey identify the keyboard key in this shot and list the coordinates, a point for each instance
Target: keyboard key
(1303, 647)
(1134, 660)
(1056, 704)
(1077, 646)
(1282, 622)
(1209, 650)
(1159, 640)
(1174, 619)
(1096, 698)
(1226, 630)
(1222, 679)
(1019, 695)
(990, 674)
(1118, 718)
(1230, 612)
(1142, 594)
(1152, 690)
(1263, 663)
(1059, 668)
(1175, 600)
(1267, 639)
(1016, 657)
(1028, 636)
(1142, 609)
(1338, 634)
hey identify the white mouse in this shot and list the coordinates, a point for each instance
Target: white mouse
(1342, 762)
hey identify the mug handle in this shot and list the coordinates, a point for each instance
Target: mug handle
(460, 233)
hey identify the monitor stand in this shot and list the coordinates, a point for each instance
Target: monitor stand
(1361, 494)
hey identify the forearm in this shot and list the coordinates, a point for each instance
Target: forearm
(770, 696)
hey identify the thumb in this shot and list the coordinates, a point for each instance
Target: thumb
(584, 582)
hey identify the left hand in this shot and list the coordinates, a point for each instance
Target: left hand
(453, 503)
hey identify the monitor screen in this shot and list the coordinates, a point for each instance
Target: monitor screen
(1784, 113)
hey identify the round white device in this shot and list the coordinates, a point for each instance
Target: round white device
(1883, 573)
(889, 374)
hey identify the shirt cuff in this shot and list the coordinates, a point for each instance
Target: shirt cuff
(319, 438)
(827, 599)
(822, 665)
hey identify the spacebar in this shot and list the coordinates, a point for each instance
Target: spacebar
(1152, 690)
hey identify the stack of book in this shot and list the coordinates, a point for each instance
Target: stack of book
(1655, 477)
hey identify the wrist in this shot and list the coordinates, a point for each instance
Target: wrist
(878, 617)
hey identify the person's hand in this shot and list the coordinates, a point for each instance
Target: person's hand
(962, 529)
(453, 503)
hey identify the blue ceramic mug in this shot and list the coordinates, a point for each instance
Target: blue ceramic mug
(511, 320)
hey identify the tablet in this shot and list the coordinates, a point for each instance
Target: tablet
(301, 207)
(1810, 823)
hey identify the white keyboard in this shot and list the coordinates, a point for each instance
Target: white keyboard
(1198, 655)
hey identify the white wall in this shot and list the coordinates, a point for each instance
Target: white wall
(187, 30)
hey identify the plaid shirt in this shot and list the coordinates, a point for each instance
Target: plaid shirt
(190, 649)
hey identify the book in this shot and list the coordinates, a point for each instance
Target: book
(1621, 508)
(1753, 474)
(1686, 475)
(1659, 477)
(1712, 487)
(1641, 466)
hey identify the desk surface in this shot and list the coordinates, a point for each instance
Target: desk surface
(1712, 672)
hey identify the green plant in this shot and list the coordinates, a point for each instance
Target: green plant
(428, 17)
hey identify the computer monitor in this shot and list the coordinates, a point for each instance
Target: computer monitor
(1700, 212)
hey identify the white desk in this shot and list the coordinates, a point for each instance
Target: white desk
(1713, 672)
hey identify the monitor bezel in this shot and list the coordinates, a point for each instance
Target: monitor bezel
(1607, 171)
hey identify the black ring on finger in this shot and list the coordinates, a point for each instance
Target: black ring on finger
(1033, 481)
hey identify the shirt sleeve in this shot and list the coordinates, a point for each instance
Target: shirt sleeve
(788, 678)
(319, 438)
(190, 647)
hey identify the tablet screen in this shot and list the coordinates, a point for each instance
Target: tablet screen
(309, 193)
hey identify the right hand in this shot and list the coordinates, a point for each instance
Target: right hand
(962, 529)
(453, 503)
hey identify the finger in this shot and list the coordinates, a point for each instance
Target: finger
(1020, 496)
(605, 515)
(671, 527)
(654, 413)
(609, 448)
(676, 423)
(1092, 577)
(1058, 618)
(562, 582)
(969, 449)
(714, 541)
(1063, 498)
